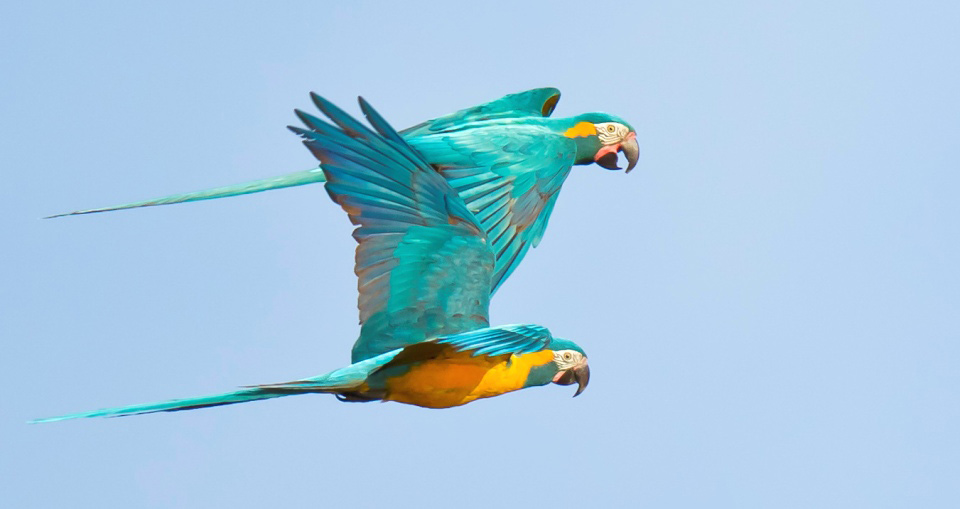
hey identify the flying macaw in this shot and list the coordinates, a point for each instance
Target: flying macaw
(425, 266)
(507, 159)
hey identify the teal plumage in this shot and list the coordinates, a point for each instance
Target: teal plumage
(505, 158)
(507, 339)
(425, 266)
(509, 174)
(422, 261)
(539, 102)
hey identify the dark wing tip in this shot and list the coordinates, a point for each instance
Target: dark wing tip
(328, 108)
(299, 131)
(302, 115)
(550, 104)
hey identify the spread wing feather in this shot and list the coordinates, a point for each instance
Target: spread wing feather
(423, 264)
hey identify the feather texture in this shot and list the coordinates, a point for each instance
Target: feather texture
(509, 174)
(423, 264)
(502, 340)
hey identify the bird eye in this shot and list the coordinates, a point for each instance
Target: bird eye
(567, 356)
(611, 128)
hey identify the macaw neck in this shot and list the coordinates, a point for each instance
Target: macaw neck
(584, 134)
(542, 374)
(587, 148)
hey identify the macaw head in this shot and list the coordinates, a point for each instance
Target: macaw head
(568, 366)
(600, 136)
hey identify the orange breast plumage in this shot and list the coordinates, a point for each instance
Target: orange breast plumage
(453, 379)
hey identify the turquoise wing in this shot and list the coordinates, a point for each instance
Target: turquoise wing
(502, 340)
(423, 263)
(509, 175)
(539, 102)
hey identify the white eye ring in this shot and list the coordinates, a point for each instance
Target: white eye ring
(567, 356)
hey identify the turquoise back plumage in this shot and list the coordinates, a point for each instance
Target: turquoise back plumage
(539, 102)
(505, 339)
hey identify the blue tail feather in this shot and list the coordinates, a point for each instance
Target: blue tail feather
(175, 405)
(343, 380)
(256, 186)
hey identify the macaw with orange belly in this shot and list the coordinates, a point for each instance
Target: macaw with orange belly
(507, 159)
(426, 266)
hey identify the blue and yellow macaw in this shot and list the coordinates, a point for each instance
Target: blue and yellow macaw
(426, 266)
(507, 159)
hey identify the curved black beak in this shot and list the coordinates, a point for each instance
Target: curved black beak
(582, 374)
(579, 374)
(608, 161)
(630, 149)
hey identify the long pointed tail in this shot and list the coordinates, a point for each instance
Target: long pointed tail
(344, 381)
(290, 180)
(174, 405)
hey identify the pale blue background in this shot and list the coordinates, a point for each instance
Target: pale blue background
(769, 301)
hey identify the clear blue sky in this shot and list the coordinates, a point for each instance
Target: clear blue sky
(769, 302)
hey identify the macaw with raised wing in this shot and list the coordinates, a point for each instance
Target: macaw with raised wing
(425, 266)
(507, 159)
